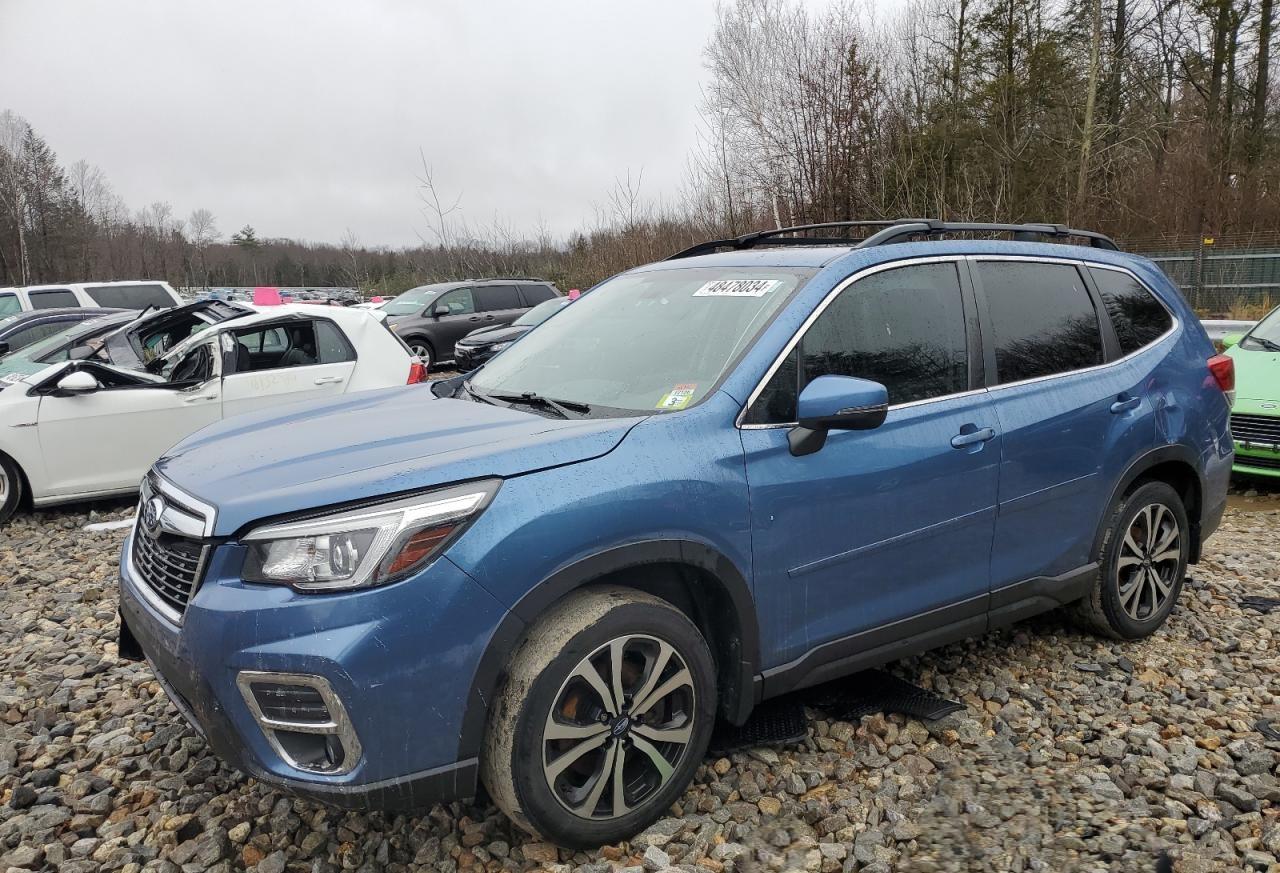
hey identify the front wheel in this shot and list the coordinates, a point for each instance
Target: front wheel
(421, 350)
(604, 718)
(1142, 562)
(10, 488)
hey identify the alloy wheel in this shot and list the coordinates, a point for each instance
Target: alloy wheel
(1147, 567)
(619, 727)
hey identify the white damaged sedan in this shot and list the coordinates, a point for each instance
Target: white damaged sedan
(92, 426)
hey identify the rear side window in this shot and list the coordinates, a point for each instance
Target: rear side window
(535, 294)
(493, 297)
(52, 299)
(9, 304)
(1041, 318)
(138, 296)
(903, 328)
(331, 345)
(1137, 315)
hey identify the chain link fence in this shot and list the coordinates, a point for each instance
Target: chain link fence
(1222, 277)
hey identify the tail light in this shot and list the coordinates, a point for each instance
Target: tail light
(417, 372)
(1223, 369)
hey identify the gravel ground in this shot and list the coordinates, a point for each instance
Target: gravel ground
(1071, 753)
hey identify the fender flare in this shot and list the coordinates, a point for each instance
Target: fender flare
(1140, 465)
(493, 662)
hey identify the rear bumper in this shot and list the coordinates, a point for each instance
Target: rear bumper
(405, 688)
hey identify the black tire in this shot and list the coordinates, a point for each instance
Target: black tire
(420, 347)
(527, 774)
(11, 485)
(1134, 594)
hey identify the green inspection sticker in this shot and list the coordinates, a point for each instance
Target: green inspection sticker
(678, 397)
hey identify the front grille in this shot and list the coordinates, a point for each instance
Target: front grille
(1261, 463)
(168, 553)
(169, 565)
(1263, 429)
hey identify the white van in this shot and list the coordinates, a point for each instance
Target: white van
(129, 294)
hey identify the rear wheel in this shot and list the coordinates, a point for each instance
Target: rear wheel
(1142, 562)
(605, 716)
(10, 488)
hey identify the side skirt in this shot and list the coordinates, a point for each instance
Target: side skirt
(910, 636)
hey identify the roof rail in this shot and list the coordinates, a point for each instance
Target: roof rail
(899, 230)
(504, 279)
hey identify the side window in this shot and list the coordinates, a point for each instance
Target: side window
(53, 298)
(130, 296)
(535, 294)
(331, 345)
(9, 304)
(27, 336)
(277, 346)
(494, 297)
(195, 366)
(1042, 320)
(903, 328)
(1137, 315)
(460, 302)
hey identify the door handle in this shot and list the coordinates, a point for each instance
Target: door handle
(328, 380)
(474, 318)
(960, 440)
(1125, 404)
(195, 397)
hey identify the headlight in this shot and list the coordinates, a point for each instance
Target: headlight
(360, 548)
(497, 347)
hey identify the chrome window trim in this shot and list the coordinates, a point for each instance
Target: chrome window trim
(339, 724)
(1042, 259)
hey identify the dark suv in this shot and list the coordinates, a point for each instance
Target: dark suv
(431, 318)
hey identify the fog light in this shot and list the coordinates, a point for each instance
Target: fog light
(303, 719)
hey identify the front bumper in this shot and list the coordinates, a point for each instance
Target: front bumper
(400, 658)
(1257, 460)
(469, 357)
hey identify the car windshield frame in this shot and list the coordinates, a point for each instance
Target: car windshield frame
(429, 293)
(1267, 328)
(707, 347)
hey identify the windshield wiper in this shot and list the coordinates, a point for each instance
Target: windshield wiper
(476, 395)
(529, 398)
(1267, 344)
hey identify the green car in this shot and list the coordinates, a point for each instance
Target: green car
(1255, 416)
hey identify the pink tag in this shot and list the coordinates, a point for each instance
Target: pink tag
(266, 296)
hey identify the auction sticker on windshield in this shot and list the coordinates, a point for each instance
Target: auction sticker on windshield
(737, 288)
(678, 397)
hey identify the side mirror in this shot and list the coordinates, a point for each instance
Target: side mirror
(836, 403)
(78, 382)
(440, 311)
(1231, 339)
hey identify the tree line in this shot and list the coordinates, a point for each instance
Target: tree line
(1141, 118)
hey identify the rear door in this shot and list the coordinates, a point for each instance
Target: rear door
(499, 304)
(1070, 412)
(285, 362)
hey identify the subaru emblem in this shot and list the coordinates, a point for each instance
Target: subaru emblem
(151, 515)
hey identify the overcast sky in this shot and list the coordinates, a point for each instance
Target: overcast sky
(304, 117)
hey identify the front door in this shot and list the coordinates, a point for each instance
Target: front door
(881, 534)
(107, 440)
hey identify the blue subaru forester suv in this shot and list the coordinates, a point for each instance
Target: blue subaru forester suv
(760, 464)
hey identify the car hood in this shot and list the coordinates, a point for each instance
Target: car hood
(487, 335)
(1257, 373)
(375, 444)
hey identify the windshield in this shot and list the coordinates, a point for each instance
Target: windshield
(413, 300)
(644, 342)
(39, 348)
(1265, 334)
(540, 313)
